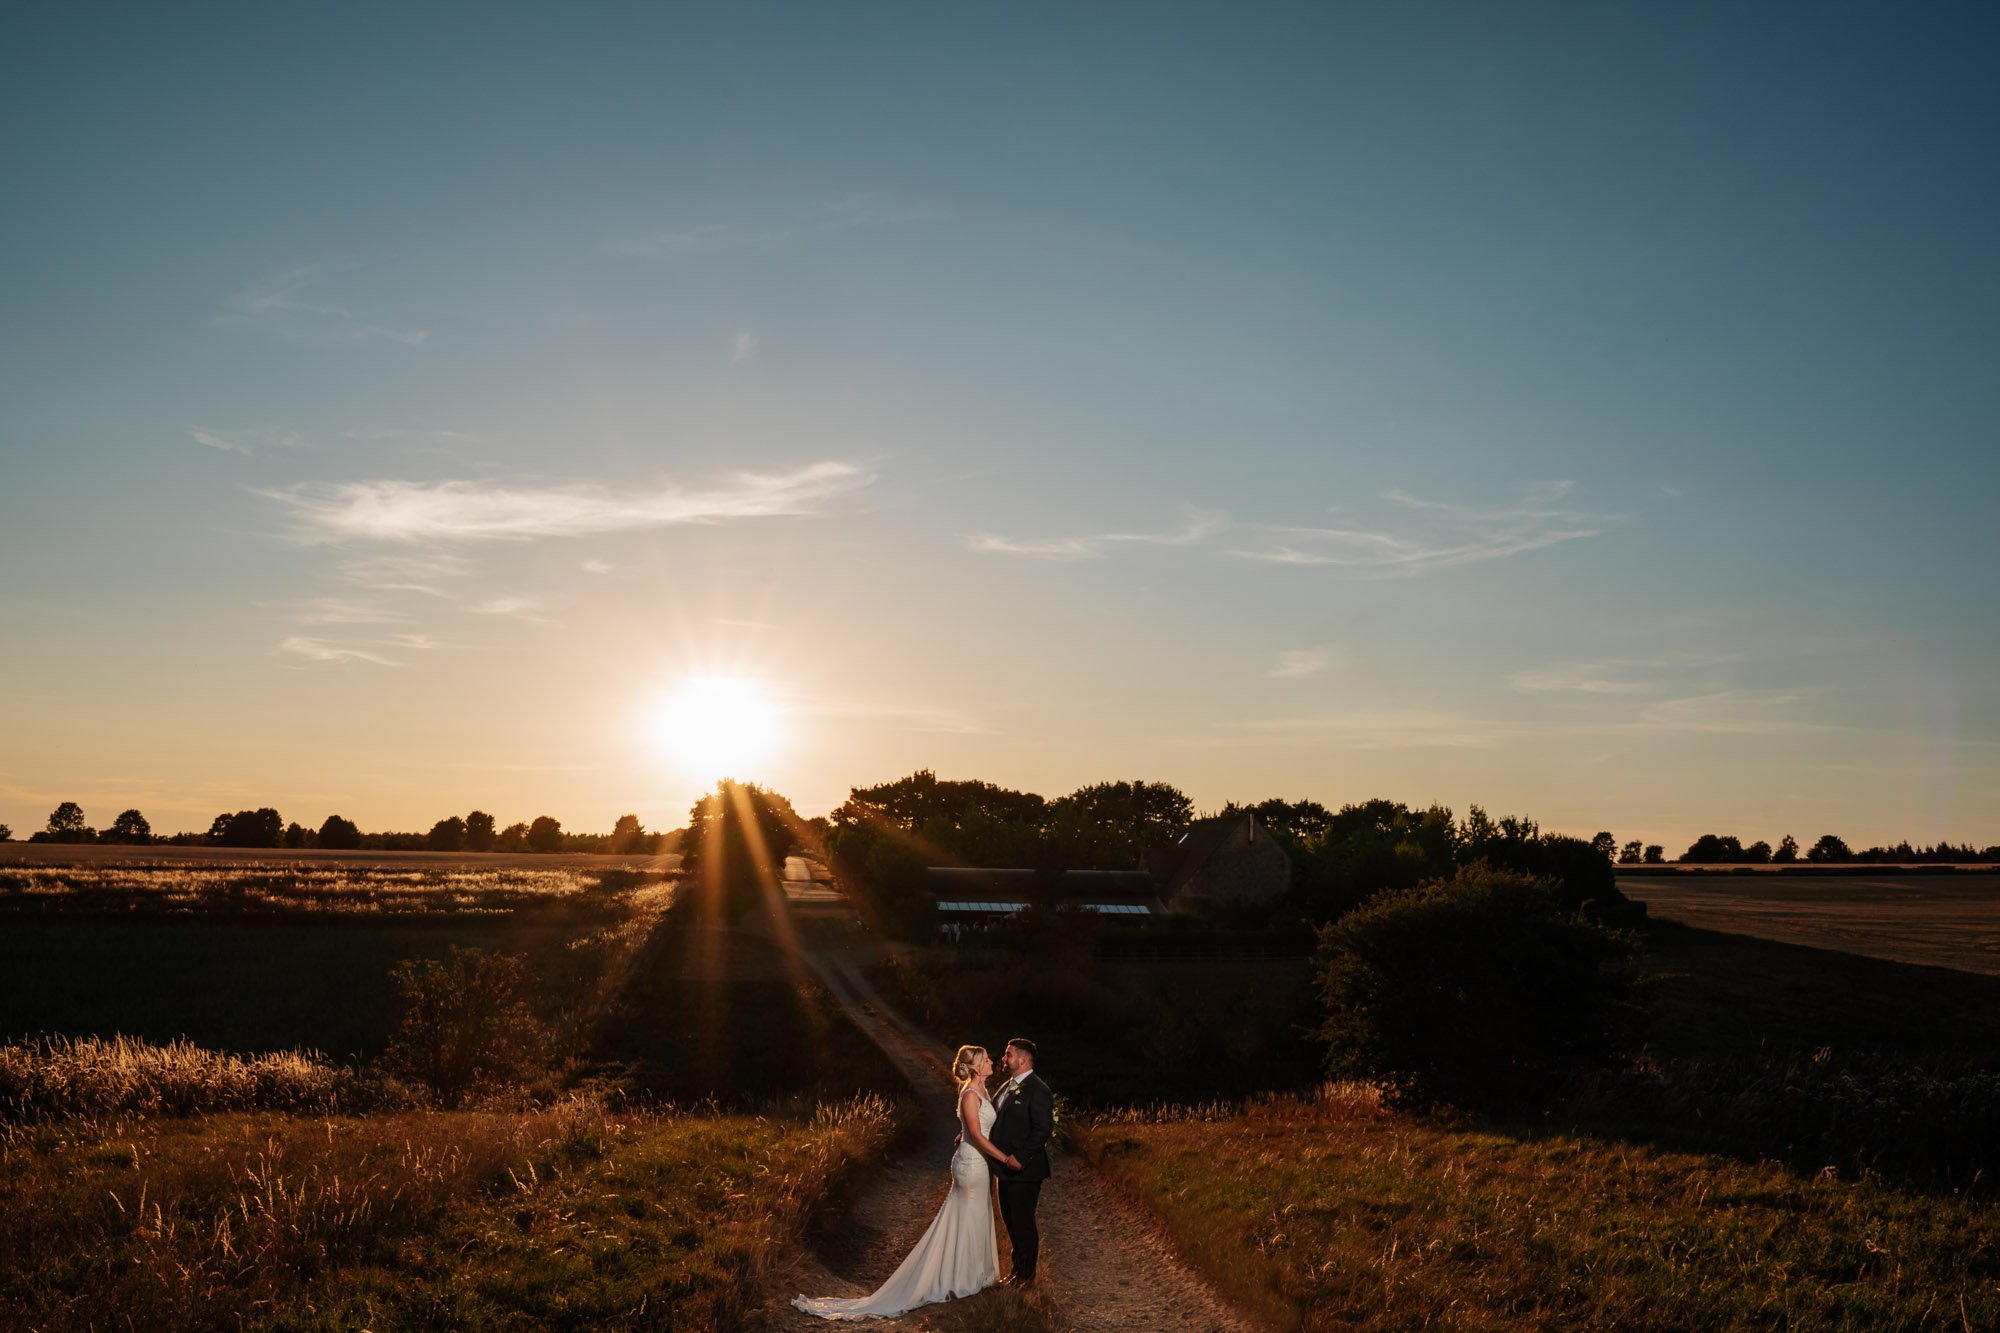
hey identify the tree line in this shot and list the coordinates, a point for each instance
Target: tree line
(883, 838)
(1831, 849)
(264, 827)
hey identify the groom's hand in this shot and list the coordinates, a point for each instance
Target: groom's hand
(1013, 1162)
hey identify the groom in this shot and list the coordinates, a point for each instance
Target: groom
(1025, 1118)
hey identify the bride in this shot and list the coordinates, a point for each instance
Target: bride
(959, 1254)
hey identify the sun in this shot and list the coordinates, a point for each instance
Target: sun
(719, 727)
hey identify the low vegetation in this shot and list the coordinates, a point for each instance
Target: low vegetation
(1333, 1211)
(573, 1216)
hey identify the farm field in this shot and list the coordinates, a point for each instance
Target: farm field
(103, 854)
(1934, 920)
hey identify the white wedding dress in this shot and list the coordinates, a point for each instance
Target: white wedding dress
(956, 1257)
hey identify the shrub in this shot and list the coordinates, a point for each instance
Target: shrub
(466, 1023)
(1478, 991)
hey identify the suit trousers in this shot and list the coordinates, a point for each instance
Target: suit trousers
(1017, 1211)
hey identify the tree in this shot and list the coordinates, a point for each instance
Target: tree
(297, 835)
(479, 835)
(66, 823)
(1788, 851)
(1758, 853)
(263, 827)
(1655, 854)
(466, 1023)
(1606, 845)
(1629, 855)
(340, 834)
(1344, 858)
(513, 838)
(6, 833)
(738, 838)
(629, 837)
(447, 835)
(1476, 991)
(1713, 849)
(130, 826)
(545, 834)
(1125, 817)
(1830, 849)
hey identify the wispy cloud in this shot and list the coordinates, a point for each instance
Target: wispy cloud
(1434, 535)
(907, 716)
(1615, 676)
(321, 650)
(245, 441)
(425, 573)
(594, 566)
(410, 435)
(849, 212)
(345, 611)
(283, 307)
(513, 608)
(1727, 712)
(1299, 663)
(1438, 535)
(407, 511)
(1371, 729)
(1200, 525)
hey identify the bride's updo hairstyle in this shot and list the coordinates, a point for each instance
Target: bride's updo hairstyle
(965, 1062)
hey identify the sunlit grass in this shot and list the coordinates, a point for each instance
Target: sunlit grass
(575, 1216)
(1330, 1212)
(56, 1077)
(297, 888)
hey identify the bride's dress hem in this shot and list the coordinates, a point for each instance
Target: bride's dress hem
(958, 1256)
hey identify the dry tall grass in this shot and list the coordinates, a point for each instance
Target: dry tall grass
(89, 1076)
(1329, 1212)
(572, 1216)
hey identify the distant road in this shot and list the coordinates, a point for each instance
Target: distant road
(1936, 920)
(93, 854)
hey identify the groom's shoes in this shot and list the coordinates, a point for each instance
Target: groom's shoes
(1017, 1280)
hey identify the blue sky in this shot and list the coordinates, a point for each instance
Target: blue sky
(1585, 413)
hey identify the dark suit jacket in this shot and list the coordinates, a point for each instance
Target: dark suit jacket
(1022, 1130)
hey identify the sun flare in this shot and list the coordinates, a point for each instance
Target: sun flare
(719, 726)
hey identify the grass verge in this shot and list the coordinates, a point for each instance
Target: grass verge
(1328, 1212)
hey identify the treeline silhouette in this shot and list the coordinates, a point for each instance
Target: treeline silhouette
(265, 827)
(882, 839)
(1831, 849)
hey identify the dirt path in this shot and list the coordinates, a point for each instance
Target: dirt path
(1105, 1266)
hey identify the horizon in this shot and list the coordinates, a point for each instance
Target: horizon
(1587, 417)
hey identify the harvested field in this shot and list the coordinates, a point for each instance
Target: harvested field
(101, 854)
(1935, 920)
